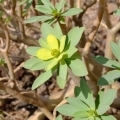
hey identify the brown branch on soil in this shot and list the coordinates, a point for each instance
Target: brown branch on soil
(29, 98)
(95, 27)
(110, 37)
(4, 50)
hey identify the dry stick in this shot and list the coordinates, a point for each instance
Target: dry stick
(95, 27)
(78, 3)
(19, 67)
(19, 96)
(14, 36)
(89, 42)
(21, 26)
(110, 37)
(5, 52)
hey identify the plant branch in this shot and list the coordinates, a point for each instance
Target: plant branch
(95, 27)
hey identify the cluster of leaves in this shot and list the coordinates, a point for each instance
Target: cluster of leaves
(2, 61)
(83, 106)
(113, 75)
(58, 52)
(53, 13)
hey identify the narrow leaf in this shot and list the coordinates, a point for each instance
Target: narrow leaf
(109, 78)
(43, 9)
(38, 18)
(47, 30)
(62, 69)
(40, 65)
(32, 50)
(85, 89)
(41, 79)
(78, 67)
(70, 52)
(60, 5)
(43, 43)
(29, 63)
(67, 109)
(78, 103)
(107, 62)
(48, 4)
(72, 11)
(83, 114)
(61, 83)
(108, 117)
(75, 35)
(58, 30)
(59, 117)
(116, 50)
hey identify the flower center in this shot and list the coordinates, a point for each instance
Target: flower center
(55, 52)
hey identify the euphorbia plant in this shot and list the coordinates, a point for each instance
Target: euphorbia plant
(83, 106)
(53, 13)
(57, 52)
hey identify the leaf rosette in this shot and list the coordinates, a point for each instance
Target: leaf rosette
(53, 13)
(57, 52)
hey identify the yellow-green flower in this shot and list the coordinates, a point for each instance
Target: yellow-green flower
(55, 48)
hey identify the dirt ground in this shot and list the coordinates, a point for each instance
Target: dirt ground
(14, 109)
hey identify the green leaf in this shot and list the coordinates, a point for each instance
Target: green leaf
(47, 30)
(72, 11)
(102, 109)
(62, 43)
(85, 89)
(41, 79)
(99, 98)
(48, 4)
(77, 91)
(78, 67)
(117, 12)
(51, 64)
(80, 119)
(88, 101)
(21, 3)
(119, 43)
(78, 103)
(106, 100)
(43, 43)
(40, 65)
(62, 69)
(97, 118)
(108, 117)
(74, 35)
(43, 9)
(59, 117)
(83, 114)
(58, 30)
(29, 3)
(116, 50)
(62, 74)
(60, 5)
(108, 97)
(70, 52)
(107, 62)
(38, 18)
(32, 50)
(61, 83)
(91, 118)
(29, 63)
(67, 109)
(109, 78)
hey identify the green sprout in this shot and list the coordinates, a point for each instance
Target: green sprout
(84, 107)
(53, 13)
(57, 52)
(2, 62)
